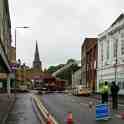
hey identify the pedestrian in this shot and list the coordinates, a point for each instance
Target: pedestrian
(104, 90)
(114, 93)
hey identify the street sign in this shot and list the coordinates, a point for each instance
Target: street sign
(13, 67)
(102, 112)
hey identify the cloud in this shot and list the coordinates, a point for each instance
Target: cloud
(57, 24)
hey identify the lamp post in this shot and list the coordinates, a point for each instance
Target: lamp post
(23, 27)
(20, 27)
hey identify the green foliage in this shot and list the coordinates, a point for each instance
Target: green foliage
(52, 69)
(70, 61)
(67, 73)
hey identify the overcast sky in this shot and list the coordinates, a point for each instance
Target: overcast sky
(57, 25)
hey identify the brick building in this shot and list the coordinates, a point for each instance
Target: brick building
(83, 63)
(91, 61)
(88, 62)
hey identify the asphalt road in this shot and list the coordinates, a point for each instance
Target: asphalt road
(60, 104)
(23, 112)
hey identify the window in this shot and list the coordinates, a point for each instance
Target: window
(121, 84)
(122, 34)
(122, 43)
(107, 49)
(115, 43)
(122, 46)
(101, 51)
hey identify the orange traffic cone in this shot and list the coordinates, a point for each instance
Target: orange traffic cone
(49, 120)
(69, 118)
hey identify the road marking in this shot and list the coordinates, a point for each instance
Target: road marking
(73, 100)
(85, 104)
(42, 109)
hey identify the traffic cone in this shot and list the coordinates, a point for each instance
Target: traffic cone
(49, 120)
(69, 118)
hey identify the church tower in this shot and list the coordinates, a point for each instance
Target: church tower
(37, 63)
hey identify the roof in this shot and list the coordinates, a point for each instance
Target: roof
(118, 19)
(88, 40)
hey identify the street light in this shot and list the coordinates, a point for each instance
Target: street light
(24, 27)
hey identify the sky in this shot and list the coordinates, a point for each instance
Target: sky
(59, 26)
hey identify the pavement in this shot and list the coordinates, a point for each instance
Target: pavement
(6, 104)
(23, 111)
(60, 104)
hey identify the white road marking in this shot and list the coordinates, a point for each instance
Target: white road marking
(73, 100)
(84, 104)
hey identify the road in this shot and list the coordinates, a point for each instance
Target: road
(23, 112)
(60, 104)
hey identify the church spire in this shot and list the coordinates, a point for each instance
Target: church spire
(36, 56)
(36, 62)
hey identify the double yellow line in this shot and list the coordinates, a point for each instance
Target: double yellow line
(42, 109)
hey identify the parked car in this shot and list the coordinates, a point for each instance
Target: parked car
(66, 91)
(81, 90)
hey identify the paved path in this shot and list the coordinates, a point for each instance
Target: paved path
(23, 112)
(5, 105)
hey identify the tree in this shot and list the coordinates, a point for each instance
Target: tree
(52, 69)
(18, 62)
(67, 73)
(70, 61)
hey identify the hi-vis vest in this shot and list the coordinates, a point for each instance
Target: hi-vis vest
(104, 89)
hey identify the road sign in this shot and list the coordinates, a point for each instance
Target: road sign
(13, 67)
(102, 112)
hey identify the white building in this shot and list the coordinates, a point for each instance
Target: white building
(76, 78)
(110, 66)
